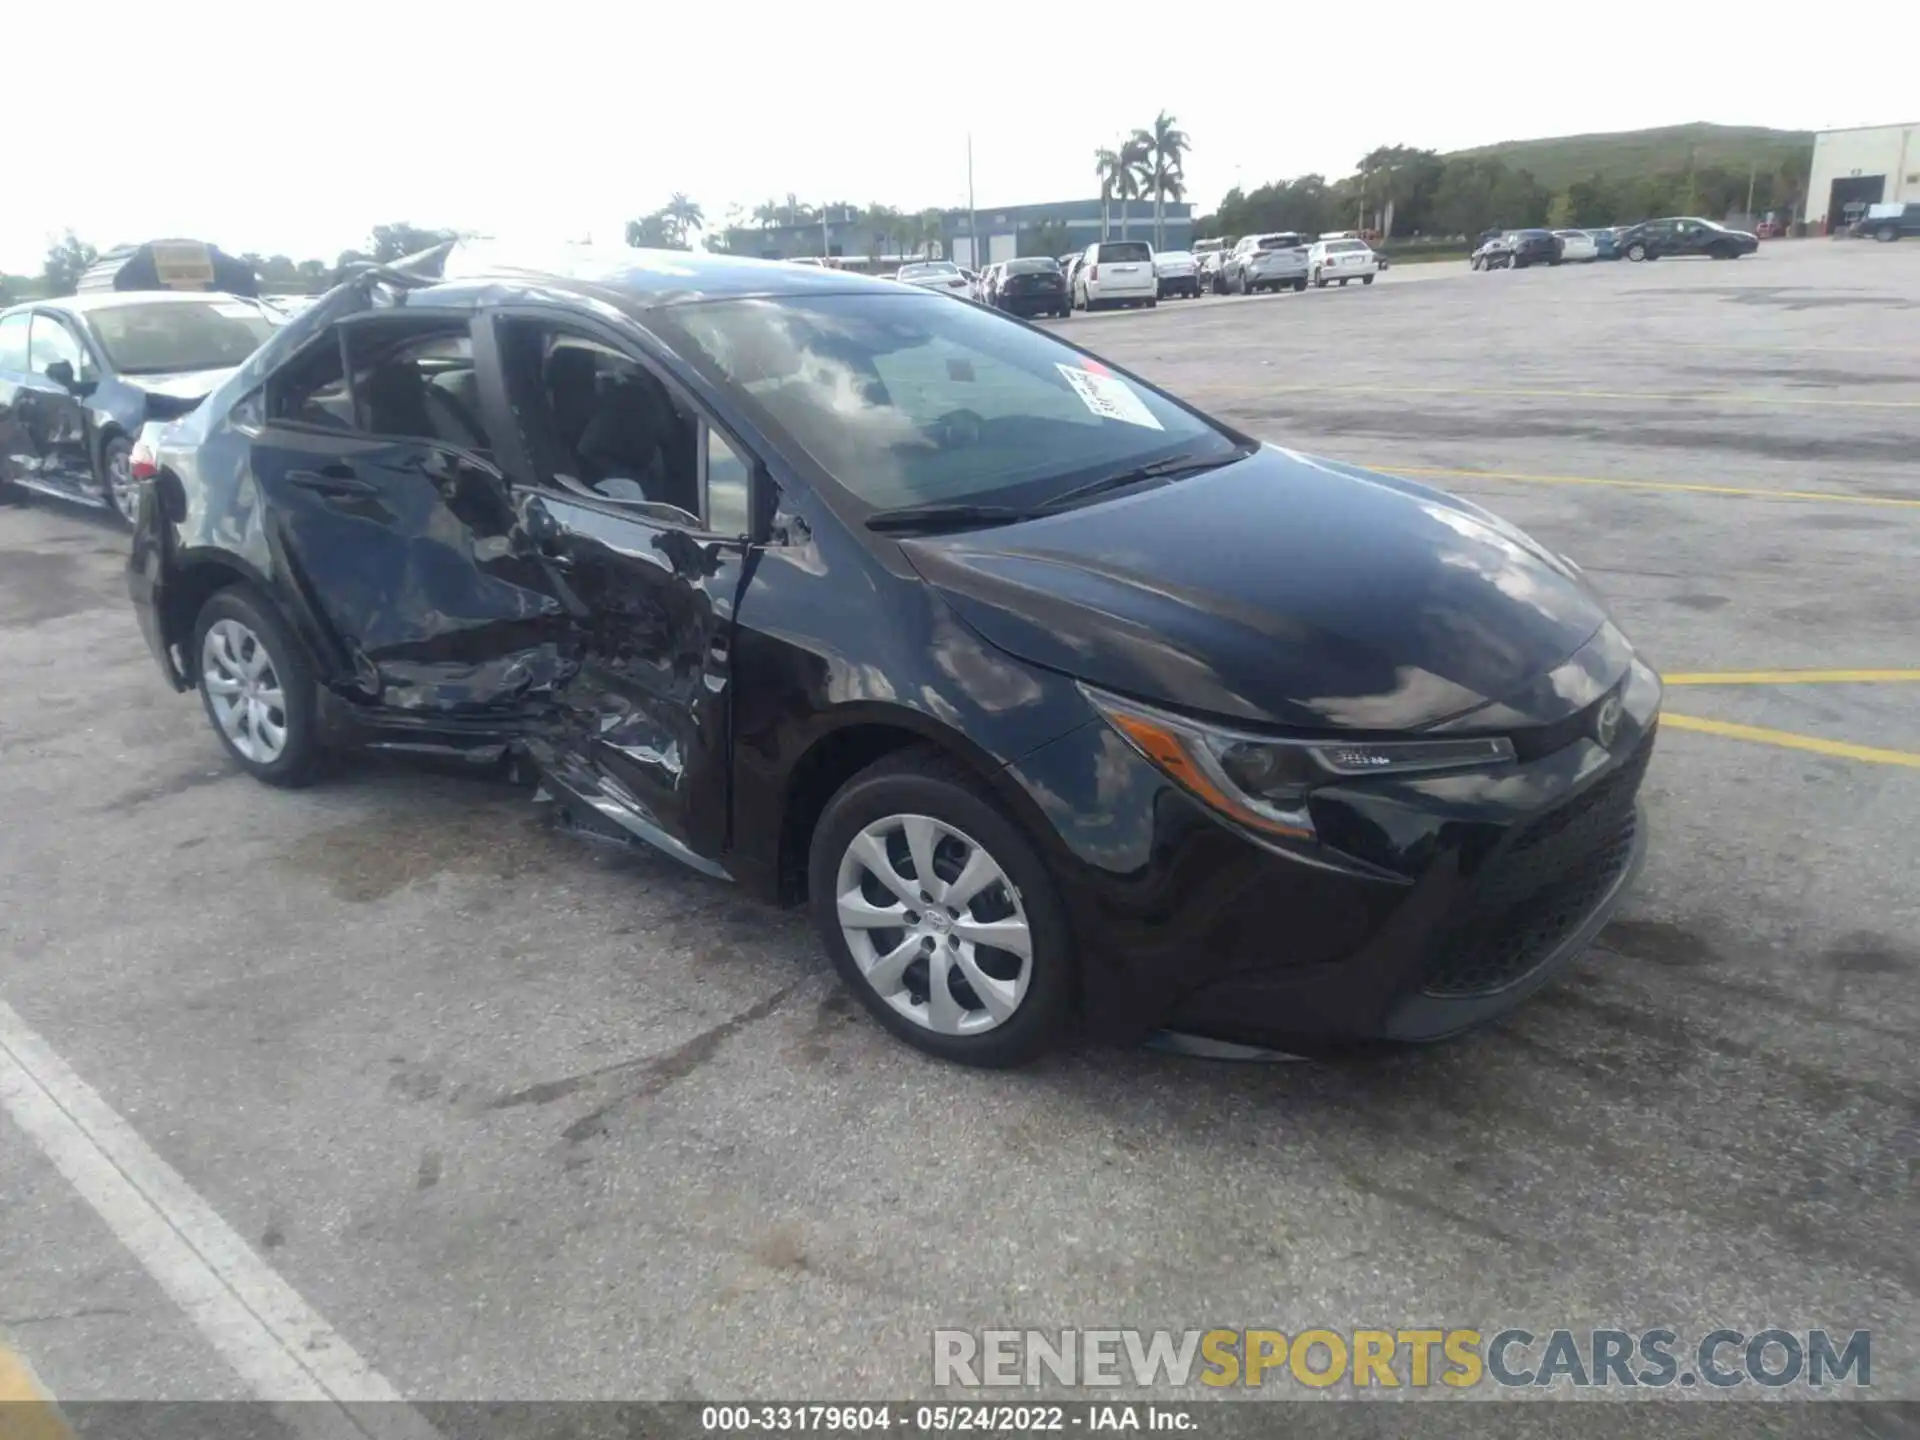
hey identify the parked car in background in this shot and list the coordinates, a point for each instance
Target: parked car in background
(941, 275)
(1532, 247)
(1267, 262)
(1888, 222)
(1340, 260)
(1116, 272)
(1176, 273)
(1605, 243)
(1494, 252)
(1208, 256)
(1685, 235)
(79, 377)
(1577, 245)
(1031, 286)
(1055, 709)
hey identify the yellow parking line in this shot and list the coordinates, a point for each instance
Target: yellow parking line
(1828, 497)
(27, 1411)
(1698, 397)
(1787, 740)
(1793, 677)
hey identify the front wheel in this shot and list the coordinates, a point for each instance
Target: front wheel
(939, 914)
(1636, 252)
(1887, 233)
(257, 688)
(121, 490)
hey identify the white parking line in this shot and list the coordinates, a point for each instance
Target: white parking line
(274, 1340)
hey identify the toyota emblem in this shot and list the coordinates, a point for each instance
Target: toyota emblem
(1606, 721)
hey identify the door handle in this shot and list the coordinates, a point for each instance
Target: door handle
(332, 480)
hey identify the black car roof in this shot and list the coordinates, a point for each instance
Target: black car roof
(631, 280)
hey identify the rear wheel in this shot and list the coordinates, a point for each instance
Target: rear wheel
(1887, 233)
(1366, 279)
(1343, 282)
(257, 687)
(1319, 281)
(1299, 284)
(938, 913)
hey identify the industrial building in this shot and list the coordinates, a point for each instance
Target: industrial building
(1005, 231)
(1852, 169)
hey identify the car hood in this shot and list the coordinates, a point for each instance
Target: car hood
(1282, 589)
(193, 385)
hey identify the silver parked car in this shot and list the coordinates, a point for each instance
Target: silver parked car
(1267, 262)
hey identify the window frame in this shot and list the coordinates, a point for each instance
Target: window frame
(519, 466)
(89, 366)
(25, 317)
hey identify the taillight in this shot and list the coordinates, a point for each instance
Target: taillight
(142, 463)
(1093, 272)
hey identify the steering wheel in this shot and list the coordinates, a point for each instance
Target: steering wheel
(956, 429)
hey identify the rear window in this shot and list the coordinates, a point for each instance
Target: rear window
(909, 399)
(1040, 265)
(1285, 241)
(1335, 247)
(180, 335)
(922, 272)
(1116, 251)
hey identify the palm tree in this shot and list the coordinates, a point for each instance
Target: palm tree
(1129, 182)
(1164, 151)
(767, 214)
(685, 214)
(1106, 165)
(933, 230)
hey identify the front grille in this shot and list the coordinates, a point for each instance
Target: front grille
(1536, 889)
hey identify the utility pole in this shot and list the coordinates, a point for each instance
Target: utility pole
(1752, 171)
(973, 227)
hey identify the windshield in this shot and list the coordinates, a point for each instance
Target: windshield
(907, 399)
(1041, 266)
(179, 335)
(936, 271)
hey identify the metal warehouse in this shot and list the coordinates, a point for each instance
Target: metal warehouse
(1005, 231)
(1867, 165)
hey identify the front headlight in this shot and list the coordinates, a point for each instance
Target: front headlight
(1263, 782)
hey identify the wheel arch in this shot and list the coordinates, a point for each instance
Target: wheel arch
(194, 581)
(855, 740)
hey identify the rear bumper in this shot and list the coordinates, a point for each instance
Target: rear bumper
(1179, 285)
(1033, 302)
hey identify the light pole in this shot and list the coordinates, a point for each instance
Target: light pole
(973, 228)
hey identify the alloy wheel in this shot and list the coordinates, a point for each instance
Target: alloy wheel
(934, 924)
(123, 491)
(244, 692)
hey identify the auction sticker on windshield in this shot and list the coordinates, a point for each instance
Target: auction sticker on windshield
(1109, 397)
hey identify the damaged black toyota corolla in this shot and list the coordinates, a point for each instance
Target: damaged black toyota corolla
(1050, 695)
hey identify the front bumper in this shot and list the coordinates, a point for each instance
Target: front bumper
(1433, 904)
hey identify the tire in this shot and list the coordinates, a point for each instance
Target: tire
(1366, 279)
(1473, 262)
(1637, 251)
(1299, 285)
(1037, 993)
(1343, 282)
(1319, 281)
(115, 475)
(245, 624)
(1887, 234)
(1152, 302)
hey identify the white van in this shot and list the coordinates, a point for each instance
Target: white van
(1116, 272)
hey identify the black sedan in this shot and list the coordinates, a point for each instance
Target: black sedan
(1051, 696)
(1033, 286)
(1684, 235)
(80, 376)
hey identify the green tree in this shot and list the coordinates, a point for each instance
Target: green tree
(67, 260)
(653, 232)
(933, 231)
(880, 222)
(1398, 183)
(1560, 211)
(1106, 166)
(393, 242)
(1130, 182)
(685, 217)
(1163, 151)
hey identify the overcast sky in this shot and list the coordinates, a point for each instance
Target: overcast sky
(293, 129)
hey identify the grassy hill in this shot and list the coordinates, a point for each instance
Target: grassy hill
(1628, 154)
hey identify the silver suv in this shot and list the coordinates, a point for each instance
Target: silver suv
(1267, 262)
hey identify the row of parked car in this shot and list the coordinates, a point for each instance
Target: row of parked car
(1649, 240)
(1113, 273)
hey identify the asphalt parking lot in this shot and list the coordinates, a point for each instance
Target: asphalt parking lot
(517, 1118)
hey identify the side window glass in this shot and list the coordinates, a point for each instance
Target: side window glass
(311, 388)
(50, 342)
(728, 480)
(417, 382)
(13, 343)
